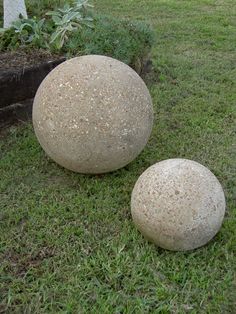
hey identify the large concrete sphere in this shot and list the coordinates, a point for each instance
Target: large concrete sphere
(93, 114)
(178, 204)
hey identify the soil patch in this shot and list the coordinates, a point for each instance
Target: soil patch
(18, 60)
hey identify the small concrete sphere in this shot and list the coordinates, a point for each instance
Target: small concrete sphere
(178, 204)
(93, 114)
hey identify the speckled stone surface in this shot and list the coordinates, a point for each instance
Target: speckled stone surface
(93, 114)
(178, 204)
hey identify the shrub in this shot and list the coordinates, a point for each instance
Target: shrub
(121, 39)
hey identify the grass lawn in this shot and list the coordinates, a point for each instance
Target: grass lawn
(67, 241)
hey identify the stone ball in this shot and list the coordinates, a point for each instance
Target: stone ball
(93, 114)
(178, 204)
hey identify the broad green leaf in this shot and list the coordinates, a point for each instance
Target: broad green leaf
(57, 20)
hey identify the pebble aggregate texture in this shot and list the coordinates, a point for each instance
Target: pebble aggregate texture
(93, 114)
(178, 204)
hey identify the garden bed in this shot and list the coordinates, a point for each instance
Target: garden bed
(21, 74)
(20, 77)
(24, 65)
(16, 60)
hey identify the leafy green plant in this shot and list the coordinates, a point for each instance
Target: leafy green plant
(68, 19)
(82, 4)
(24, 32)
(48, 33)
(30, 30)
(124, 40)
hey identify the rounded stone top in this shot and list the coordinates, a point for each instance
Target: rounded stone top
(93, 114)
(178, 204)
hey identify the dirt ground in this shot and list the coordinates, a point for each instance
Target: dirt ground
(16, 60)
